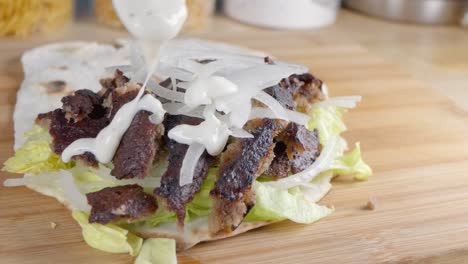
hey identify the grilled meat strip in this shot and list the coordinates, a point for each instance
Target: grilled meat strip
(305, 89)
(140, 143)
(65, 131)
(242, 162)
(296, 147)
(128, 202)
(176, 197)
(81, 105)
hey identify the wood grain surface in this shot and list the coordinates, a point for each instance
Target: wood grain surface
(415, 139)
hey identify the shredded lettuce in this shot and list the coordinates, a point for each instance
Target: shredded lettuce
(274, 204)
(162, 216)
(352, 164)
(35, 155)
(328, 120)
(88, 180)
(109, 238)
(201, 204)
(157, 251)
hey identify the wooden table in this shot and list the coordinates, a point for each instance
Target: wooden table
(414, 138)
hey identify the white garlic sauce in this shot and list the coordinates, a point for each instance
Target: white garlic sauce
(153, 23)
(212, 133)
(204, 90)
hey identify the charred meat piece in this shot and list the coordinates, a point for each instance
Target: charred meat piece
(109, 84)
(282, 95)
(303, 147)
(280, 166)
(269, 60)
(140, 143)
(297, 148)
(65, 132)
(306, 90)
(242, 162)
(177, 197)
(81, 104)
(128, 202)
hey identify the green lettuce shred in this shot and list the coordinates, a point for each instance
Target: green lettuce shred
(162, 216)
(88, 181)
(35, 155)
(352, 164)
(157, 251)
(328, 120)
(109, 238)
(274, 204)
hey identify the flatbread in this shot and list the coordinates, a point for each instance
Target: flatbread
(79, 65)
(194, 232)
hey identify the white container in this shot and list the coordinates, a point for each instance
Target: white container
(284, 14)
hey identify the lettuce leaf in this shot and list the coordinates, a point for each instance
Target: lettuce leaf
(274, 204)
(157, 251)
(35, 155)
(161, 216)
(202, 203)
(328, 120)
(109, 238)
(352, 164)
(88, 180)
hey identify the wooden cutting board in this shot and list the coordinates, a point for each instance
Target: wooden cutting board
(415, 139)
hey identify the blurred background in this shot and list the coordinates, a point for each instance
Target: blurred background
(427, 38)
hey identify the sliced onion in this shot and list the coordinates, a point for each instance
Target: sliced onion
(292, 116)
(173, 108)
(164, 92)
(261, 76)
(239, 114)
(212, 67)
(268, 100)
(297, 117)
(261, 112)
(178, 109)
(184, 85)
(321, 164)
(240, 133)
(170, 71)
(190, 162)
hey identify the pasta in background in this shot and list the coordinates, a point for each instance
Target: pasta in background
(25, 17)
(200, 12)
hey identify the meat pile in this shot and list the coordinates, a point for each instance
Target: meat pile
(277, 149)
